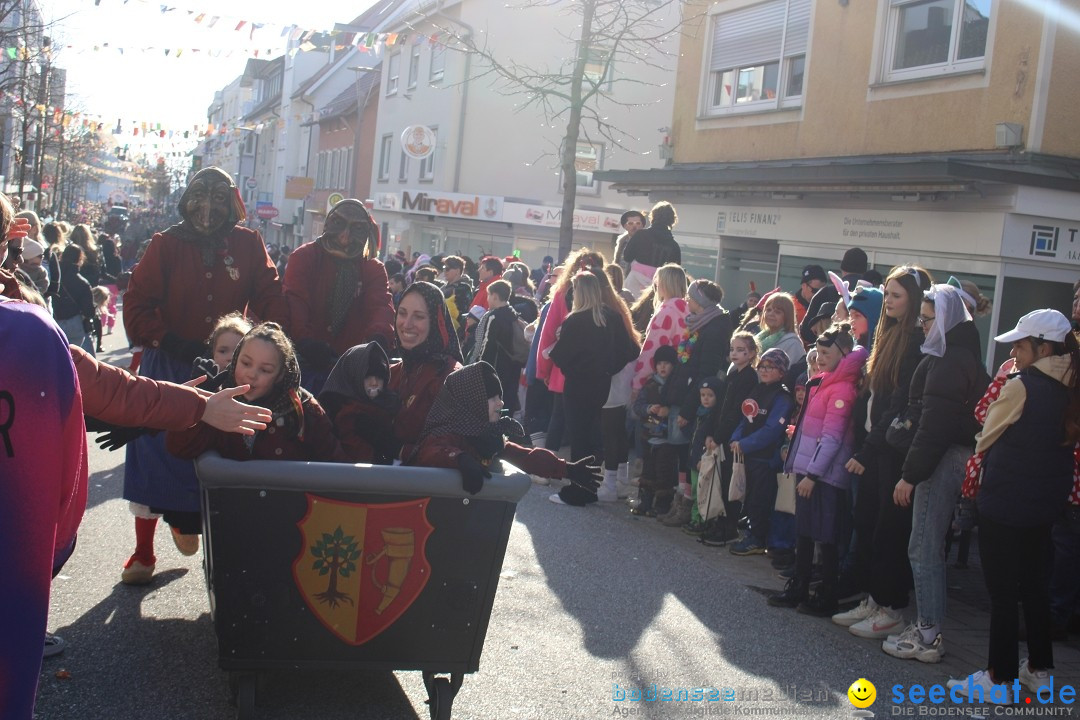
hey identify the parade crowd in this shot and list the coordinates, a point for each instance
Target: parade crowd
(846, 430)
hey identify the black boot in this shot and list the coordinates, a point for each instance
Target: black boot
(795, 592)
(822, 603)
(645, 505)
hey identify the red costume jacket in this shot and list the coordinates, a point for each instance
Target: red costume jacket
(480, 298)
(276, 442)
(118, 397)
(443, 451)
(358, 449)
(171, 290)
(309, 282)
(417, 390)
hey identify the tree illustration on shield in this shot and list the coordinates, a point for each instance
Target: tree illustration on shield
(335, 554)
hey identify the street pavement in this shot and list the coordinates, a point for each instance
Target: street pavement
(589, 599)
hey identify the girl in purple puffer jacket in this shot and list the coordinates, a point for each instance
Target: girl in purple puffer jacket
(824, 440)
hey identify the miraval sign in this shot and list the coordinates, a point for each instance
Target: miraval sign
(422, 202)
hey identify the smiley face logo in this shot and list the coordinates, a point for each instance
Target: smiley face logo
(862, 693)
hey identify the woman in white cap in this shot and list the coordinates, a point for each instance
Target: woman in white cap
(1027, 474)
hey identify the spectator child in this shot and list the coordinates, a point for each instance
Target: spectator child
(702, 440)
(660, 466)
(758, 438)
(361, 407)
(740, 379)
(101, 296)
(465, 431)
(824, 438)
(266, 362)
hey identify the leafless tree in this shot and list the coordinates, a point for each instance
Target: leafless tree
(579, 87)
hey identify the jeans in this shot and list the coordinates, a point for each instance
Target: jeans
(1015, 562)
(932, 511)
(1065, 578)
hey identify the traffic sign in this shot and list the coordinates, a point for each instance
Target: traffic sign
(266, 212)
(251, 183)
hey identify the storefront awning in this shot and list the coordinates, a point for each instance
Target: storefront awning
(884, 174)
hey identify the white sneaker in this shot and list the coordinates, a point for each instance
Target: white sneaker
(910, 644)
(878, 625)
(539, 480)
(554, 497)
(623, 490)
(856, 614)
(607, 494)
(990, 693)
(1033, 680)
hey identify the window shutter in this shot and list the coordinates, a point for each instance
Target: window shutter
(798, 30)
(749, 36)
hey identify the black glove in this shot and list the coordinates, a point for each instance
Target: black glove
(473, 473)
(513, 431)
(381, 436)
(214, 381)
(584, 474)
(317, 354)
(965, 516)
(119, 437)
(183, 350)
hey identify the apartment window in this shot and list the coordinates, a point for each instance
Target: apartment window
(427, 165)
(384, 157)
(925, 38)
(335, 158)
(588, 159)
(320, 173)
(597, 67)
(438, 63)
(758, 57)
(403, 168)
(414, 66)
(393, 70)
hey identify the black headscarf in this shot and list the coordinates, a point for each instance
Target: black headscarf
(461, 408)
(286, 398)
(346, 380)
(215, 241)
(442, 342)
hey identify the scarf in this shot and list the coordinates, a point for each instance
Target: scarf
(696, 321)
(441, 344)
(766, 341)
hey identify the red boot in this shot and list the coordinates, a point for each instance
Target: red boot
(139, 569)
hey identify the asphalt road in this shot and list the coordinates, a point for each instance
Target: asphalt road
(589, 598)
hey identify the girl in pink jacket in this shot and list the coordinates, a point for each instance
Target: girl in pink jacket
(823, 441)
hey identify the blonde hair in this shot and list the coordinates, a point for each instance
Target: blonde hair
(670, 283)
(588, 297)
(751, 344)
(581, 259)
(233, 322)
(787, 306)
(892, 336)
(100, 294)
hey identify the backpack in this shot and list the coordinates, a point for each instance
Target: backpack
(519, 346)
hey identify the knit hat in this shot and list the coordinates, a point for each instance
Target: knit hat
(665, 353)
(710, 383)
(32, 249)
(854, 261)
(777, 357)
(868, 302)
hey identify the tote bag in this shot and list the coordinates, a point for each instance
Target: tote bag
(737, 488)
(710, 493)
(785, 493)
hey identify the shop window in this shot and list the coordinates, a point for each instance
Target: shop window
(758, 57)
(384, 157)
(927, 38)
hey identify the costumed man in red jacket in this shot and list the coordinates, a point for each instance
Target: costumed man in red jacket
(191, 275)
(338, 293)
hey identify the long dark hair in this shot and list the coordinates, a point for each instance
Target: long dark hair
(1071, 347)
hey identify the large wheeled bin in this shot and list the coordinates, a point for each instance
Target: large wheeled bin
(331, 566)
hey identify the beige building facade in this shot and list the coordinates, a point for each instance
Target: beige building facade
(935, 132)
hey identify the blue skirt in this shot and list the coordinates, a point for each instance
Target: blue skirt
(152, 476)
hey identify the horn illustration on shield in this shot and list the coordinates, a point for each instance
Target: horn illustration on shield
(399, 546)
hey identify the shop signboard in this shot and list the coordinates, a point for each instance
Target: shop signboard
(1047, 240)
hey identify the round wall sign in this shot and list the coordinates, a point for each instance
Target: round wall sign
(418, 141)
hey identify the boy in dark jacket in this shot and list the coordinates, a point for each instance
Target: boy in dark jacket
(703, 439)
(758, 438)
(660, 461)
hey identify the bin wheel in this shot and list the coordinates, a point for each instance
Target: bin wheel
(442, 698)
(245, 696)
